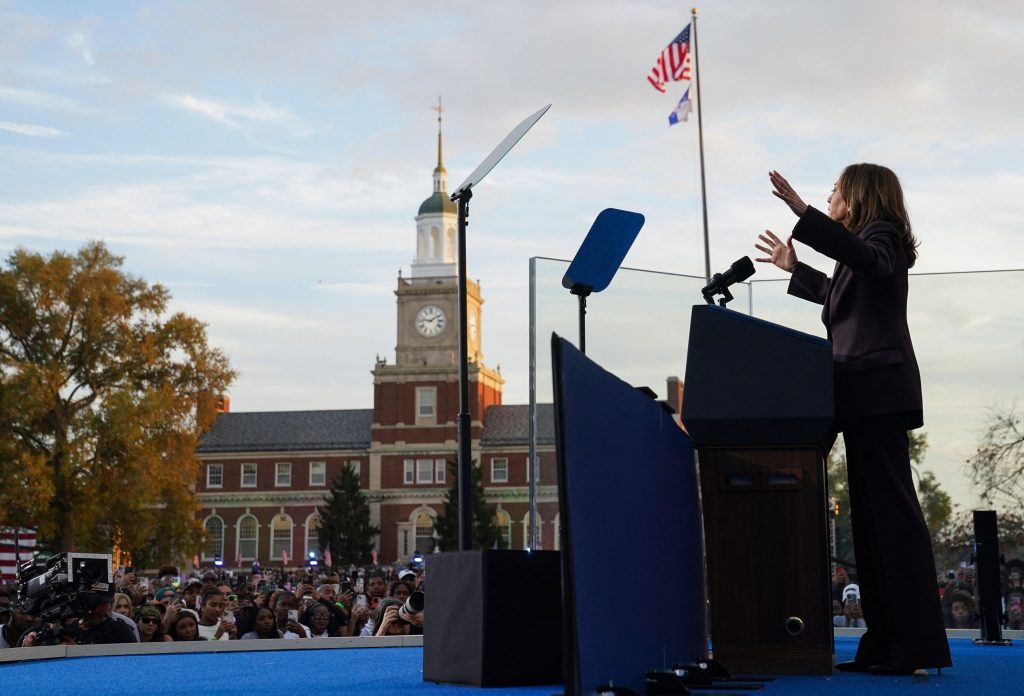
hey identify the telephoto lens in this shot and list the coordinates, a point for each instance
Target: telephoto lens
(412, 606)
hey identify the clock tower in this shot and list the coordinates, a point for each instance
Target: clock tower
(416, 399)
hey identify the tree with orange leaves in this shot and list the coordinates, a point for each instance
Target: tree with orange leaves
(103, 397)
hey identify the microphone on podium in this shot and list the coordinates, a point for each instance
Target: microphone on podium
(739, 271)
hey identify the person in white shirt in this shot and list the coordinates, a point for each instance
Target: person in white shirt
(213, 624)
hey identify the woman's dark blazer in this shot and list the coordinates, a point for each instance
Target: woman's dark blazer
(865, 315)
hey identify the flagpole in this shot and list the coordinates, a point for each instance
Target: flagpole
(700, 138)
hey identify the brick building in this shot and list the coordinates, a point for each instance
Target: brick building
(264, 474)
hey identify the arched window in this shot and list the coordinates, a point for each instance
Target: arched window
(421, 244)
(281, 537)
(526, 529)
(214, 538)
(248, 537)
(450, 244)
(435, 243)
(312, 536)
(424, 533)
(558, 531)
(504, 522)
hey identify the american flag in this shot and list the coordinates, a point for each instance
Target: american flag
(673, 63)
(26, 547)
(327, 556)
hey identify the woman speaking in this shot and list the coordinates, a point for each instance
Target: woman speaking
(878, 399)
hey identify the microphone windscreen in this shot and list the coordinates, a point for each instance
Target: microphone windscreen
(742, 269)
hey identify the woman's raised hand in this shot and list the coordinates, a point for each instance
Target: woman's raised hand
(781, 254)
(784, 191)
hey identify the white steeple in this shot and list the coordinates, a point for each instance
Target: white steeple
(436, 253)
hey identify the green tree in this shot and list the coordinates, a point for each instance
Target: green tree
(935, 503)
(839, 498)
(345, 526)
(103, 398)
(486, 534)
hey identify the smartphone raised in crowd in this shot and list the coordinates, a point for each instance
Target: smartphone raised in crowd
(293, 614)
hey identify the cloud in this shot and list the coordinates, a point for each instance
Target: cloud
(31, 130)
(79, 44)
(232, 114)
(47, 102)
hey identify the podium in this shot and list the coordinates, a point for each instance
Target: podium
(758, 404)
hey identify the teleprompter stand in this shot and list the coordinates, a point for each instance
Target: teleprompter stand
(599, 257)
(478, 634)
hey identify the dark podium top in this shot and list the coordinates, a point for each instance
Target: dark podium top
(753, 383)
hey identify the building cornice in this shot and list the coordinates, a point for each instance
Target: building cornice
(394, 496)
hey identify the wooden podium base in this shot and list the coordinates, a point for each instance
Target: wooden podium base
(767, 559)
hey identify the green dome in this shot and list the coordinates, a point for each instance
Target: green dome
(438, 203)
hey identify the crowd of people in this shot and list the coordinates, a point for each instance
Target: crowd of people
(958, 590)
(271, 604)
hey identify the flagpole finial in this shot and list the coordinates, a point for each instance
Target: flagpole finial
(693, 10)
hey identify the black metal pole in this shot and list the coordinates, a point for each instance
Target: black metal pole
(987, 558)
(583, 323)
(465, 434)
(582, 291)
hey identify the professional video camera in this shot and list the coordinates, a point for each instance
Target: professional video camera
(64, 586)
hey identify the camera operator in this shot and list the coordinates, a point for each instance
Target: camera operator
(94, 628)
(13, 623)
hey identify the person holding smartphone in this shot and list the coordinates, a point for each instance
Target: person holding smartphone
(214, 624)
(287, 612)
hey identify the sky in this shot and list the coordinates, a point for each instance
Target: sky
(265, 160)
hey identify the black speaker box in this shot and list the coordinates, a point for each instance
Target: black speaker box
(493, 618)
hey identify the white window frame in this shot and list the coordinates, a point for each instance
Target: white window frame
(410, 472)
(206, 547)
(440, 471)
(316, 539)
(426, 413)
(279, 469)
(424, 471)
(255, 539)
(291, 538)
(323, 474)
(210, 468)
(505, 528)
(255, 475)
(494, 461)
(356, 466)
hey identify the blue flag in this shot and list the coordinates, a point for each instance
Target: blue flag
(682, 110)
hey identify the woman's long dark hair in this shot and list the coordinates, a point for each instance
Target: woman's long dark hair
(256, 615)
(378, 617)
(172, 630)
(873, 192)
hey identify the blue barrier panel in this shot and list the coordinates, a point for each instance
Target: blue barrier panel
(632, 562)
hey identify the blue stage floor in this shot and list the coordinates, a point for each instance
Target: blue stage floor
(977, 671)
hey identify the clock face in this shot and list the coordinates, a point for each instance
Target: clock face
(430, 321)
